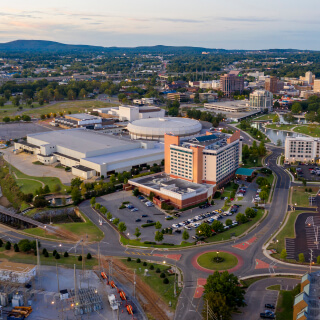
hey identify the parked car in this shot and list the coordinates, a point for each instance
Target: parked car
(269, 306)
(234, 223)
(177, 231)
(175, 226)
(149, 221)
(144, 215)
(138, 220)
(203, 206)
(267, 315)
(140, 197)
(134, 209)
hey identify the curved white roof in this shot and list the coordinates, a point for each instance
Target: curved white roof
(161, 126)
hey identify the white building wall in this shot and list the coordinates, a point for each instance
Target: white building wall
(301, 149)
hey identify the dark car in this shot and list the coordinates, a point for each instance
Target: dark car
(149, 221)
(177, 231)
(144, 215)
(267, 315)
(138, 220)
(269, 306)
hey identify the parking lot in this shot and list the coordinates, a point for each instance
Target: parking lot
(308, 172)
(145, 214)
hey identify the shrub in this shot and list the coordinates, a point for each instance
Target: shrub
(144, 264)
(89, 256)
(301, 257)
(57, 256)
(44, 250)
(148, 225)
(66, 254)
(138, 260)
(158, 270)
(152, 266)
(165, 280)
(46, 254)
(8, 245)
(16, 248)
(1, 243)
(162, 275)
(128, 259)
(54, 252)
(80, 258)
(150, 242)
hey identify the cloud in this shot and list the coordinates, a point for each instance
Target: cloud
(177, 20)
(245, 19)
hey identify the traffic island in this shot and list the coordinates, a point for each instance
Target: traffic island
(209, 261)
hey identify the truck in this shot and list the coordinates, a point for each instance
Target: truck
(113, 302)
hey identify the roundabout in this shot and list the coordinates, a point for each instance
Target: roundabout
(210, 261)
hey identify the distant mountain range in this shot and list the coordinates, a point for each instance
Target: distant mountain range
(43, 46)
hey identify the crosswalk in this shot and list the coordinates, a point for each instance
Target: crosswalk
(138, 253)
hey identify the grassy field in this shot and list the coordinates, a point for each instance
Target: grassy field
(269, 116)
(154, 280)
(301, 197)
(313, 131)
(66, 106)
(30, 258)
(286, 232)
(29, 186)
(83, 230)
(286, 127)
(274, 287)
(284, 308)
(206, 261)
(235, 231)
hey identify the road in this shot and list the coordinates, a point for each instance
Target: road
(253, 259)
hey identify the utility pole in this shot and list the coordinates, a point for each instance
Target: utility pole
(134, 283)
(311, 254)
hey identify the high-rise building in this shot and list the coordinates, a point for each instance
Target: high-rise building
(211, 159)
(308, 77)
(261, 99)
(232, 82)
(271, 84)
(316, 85)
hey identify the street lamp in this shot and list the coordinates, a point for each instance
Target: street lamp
(218, 253)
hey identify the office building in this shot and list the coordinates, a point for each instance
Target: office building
(232, 82)
(306, 304)
(211, 158)
(228, 106)
(316, 85)
(261, 99)
(301, 149)
(89, 153)
(179, 96)
(271, 84)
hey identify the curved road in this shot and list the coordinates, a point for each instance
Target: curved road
(254, 261)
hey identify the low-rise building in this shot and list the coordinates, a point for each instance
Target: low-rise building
(261, 99)
(17, 272)
(228, 106)
(77, 120)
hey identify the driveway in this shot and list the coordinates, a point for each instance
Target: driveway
(257, 296)
(23, 162)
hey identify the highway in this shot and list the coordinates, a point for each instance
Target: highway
(189, 306)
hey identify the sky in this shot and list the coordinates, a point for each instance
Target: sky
(228, 24)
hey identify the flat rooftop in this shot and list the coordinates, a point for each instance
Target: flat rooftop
(80, 140)
(82, 116)
(163, 180)
(16, 267)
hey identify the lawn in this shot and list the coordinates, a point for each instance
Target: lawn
(29, 186)
(154, 280)
(285, 127)
(206, 261)
(284, 308)
(30, 258)
(288, 231)
(87, 230)
(138, 243)
(313, 131)
(236, 231)
(301, 197)
(269, 116)
(252, 164)
(275, 287)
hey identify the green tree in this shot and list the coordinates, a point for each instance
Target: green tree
(228, 222)
(276, 118)
(109, 215)
(204, 230)
(288, 117)
(16, 248)
(135, 192)
(158, 236)
(196, 98)
(279, 143)
(283, 254)
(185, 235)
(301, 257)
(263, 195)
(218, 308)
(46, 189)
(7, 245)
(97, 206)
(116, 221)
(137, 233)
(241, 218)
(250, 213)
(71, 95)
(57, 256)
(82, 93)
(76, 195)
(89, 256)
(6, 119)
(217, 226)
(122, 227)
(158, 225)
(24, 245)
(311, 116)
(296, 108)
(227, 284)
(92, 201)
(80, 258)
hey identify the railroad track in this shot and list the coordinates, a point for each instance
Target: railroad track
(155, 306)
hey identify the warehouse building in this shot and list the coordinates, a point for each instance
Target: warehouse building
(77, 120)
(91, 153)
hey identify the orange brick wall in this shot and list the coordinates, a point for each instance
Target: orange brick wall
(297, 308)
(197, 164)
(234, 137)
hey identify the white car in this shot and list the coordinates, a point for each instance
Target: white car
(190, 220)
(234, 223)
(175, 226)
(187, 227)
